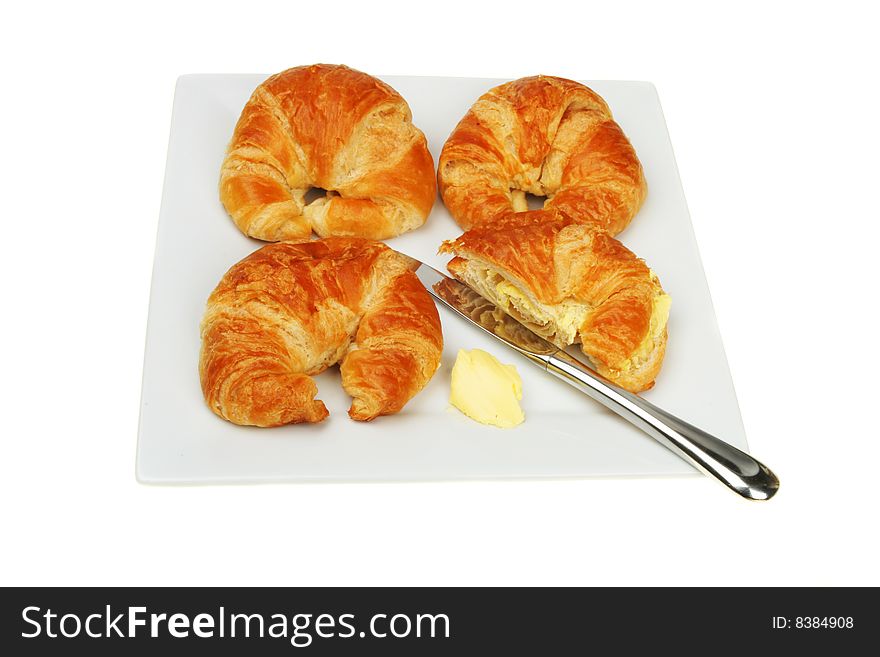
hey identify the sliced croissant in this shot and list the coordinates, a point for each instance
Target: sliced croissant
(289, 311)
(570, 283)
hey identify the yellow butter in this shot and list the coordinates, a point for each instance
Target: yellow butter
(485, 389)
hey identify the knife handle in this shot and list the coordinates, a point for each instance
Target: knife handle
(712, 456)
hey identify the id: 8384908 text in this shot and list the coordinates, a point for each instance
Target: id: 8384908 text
(813, 623)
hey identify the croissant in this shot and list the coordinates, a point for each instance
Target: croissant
(545, 136)
(570, 283)
(331, 128)
(289, 311)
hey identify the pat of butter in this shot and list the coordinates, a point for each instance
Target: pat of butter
(485, 389)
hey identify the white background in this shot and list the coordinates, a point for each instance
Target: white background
(773, 113)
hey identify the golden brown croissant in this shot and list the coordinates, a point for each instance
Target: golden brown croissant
(333, 128)
(291, 310)
(570, 283)
(545, 136)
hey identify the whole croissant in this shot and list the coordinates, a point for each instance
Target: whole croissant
(546, 136)
(570, 283)
(333, 128)
(291, 310)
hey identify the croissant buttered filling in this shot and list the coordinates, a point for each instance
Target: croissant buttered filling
(571, 284)
(661, 305)
(559, 323)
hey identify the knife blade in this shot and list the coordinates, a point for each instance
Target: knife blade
(482, 312)
(731, 466)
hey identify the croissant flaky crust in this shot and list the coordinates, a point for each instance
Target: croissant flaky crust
(333, 128)
(570, 283)
(546, 136)
(291, 310)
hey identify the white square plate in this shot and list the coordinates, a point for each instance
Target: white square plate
(565, 434)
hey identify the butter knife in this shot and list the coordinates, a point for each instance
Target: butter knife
(731, 466)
